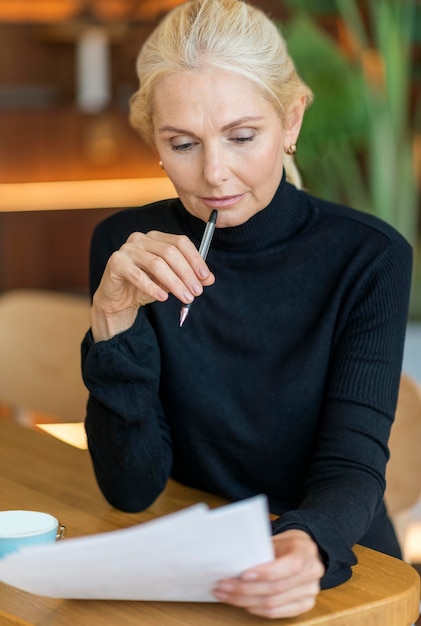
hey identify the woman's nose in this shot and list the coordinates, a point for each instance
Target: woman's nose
(215, 167)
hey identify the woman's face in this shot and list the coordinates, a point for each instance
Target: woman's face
(221, 143)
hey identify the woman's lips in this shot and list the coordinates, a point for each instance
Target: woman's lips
(219, 203)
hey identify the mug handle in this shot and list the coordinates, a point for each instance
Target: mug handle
(61, 531)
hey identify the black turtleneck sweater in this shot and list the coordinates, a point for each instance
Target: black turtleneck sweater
(282, 381)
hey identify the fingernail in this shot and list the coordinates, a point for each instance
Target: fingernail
(249, 576)
(188, 296)
(197, 288)
(225, 587)
(203, 271)
(162, 295)
(220, 595)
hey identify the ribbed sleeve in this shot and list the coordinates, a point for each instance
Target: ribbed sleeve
(369, 348)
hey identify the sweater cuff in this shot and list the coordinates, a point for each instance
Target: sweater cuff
(336, 555)
(88, 340)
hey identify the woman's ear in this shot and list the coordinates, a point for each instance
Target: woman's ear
(294, 120)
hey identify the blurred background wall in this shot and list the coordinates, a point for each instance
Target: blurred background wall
(68, 156)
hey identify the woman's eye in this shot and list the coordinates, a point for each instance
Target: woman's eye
(182, 147)
(242, 139)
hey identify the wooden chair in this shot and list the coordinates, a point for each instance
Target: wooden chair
(403, 474)
(40, 336)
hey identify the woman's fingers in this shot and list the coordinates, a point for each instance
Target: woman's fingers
(292, 609)
(146, 268)
(156, 264)
(285, 604)
(123, 277)
(188, 250)
(285, 587)
(172, 262)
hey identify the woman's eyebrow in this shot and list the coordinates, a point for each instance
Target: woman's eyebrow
(173, 129)
(241, 121)
(233, 124)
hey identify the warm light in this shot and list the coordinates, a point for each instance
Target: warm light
(412, 545)
(45, 11)
(113, 9)
(152, 9)
(84, 194)
(71, 433)
(38, 10)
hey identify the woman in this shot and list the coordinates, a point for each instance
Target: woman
(284, 378)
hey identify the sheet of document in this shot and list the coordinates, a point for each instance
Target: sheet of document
(178, 557)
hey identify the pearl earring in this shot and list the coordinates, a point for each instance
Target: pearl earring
(161, 165)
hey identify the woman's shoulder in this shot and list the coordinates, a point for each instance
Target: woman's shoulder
(351, 221)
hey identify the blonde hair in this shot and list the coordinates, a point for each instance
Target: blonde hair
(225, 34)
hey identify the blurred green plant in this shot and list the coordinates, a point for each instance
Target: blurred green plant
(358, 135)
(336, 124)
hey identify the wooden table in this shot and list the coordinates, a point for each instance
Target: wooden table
(42, 473)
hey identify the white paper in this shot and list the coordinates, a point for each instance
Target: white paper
(179, 557)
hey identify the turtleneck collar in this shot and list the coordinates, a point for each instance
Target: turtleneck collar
(285, 216)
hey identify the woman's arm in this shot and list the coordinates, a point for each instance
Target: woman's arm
(346, 478)
(128, 435)
(127, 429)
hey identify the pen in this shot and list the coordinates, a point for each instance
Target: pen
(203, 251)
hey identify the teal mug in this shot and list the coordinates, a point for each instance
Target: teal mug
(19, 529)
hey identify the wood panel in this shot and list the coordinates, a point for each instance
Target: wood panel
(63, 144)
(47, 250)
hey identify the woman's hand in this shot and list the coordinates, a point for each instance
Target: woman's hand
(146, 268)
(285, 587)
